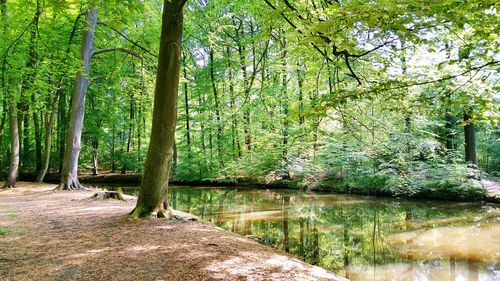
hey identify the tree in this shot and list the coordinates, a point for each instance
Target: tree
(470, 140)
(154, 184)
(69, 175)
(14, 125)
(53, 102)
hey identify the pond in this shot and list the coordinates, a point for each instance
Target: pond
(359, 237)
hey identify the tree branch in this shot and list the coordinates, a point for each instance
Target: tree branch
(128, 39)
(443, 78)
(124, 50)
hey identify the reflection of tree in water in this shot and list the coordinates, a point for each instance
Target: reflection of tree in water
(337, 232)
(286, 237)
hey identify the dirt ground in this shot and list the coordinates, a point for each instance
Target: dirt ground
(61, 235)
(492, 187)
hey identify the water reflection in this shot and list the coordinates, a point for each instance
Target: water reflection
(361, 238)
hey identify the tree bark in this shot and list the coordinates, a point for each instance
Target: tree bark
(69, 175)
(154, 184)
(470, 140)
(14, 149)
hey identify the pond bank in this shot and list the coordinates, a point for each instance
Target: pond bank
(492, 187)
(66, 236)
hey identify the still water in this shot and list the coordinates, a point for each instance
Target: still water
(359, 237)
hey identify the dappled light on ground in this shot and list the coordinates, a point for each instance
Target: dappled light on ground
(258, 266)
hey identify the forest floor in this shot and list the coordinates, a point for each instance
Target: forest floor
(65, 235)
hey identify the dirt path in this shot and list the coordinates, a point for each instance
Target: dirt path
(48, 235)
(492, 187)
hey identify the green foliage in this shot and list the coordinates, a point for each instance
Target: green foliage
(271, 95)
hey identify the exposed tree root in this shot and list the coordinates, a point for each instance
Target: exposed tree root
(70, 185)
(8, 185)
(160, 213)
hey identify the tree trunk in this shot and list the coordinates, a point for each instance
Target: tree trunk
(174, 160)
(61, 128)
(470, 140)
(14, 149)
(217, 110)
(234, 123)
(284, 88)
(25, 148)
(23, 114)
(247, 87)
(49, 126)
(448, 127)
(95, 156)
(69, 175)
(286, 231)
(5, 107)
(300, 82)
(130, 132)
(186, 104)
(113, 149)
(154, 184)
(37, 119)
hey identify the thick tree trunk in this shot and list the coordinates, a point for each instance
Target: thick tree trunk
(14, 149)
(69, 175)
(154, 184)
(470, 140)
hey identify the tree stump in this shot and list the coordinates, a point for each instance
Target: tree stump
(108, 195)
